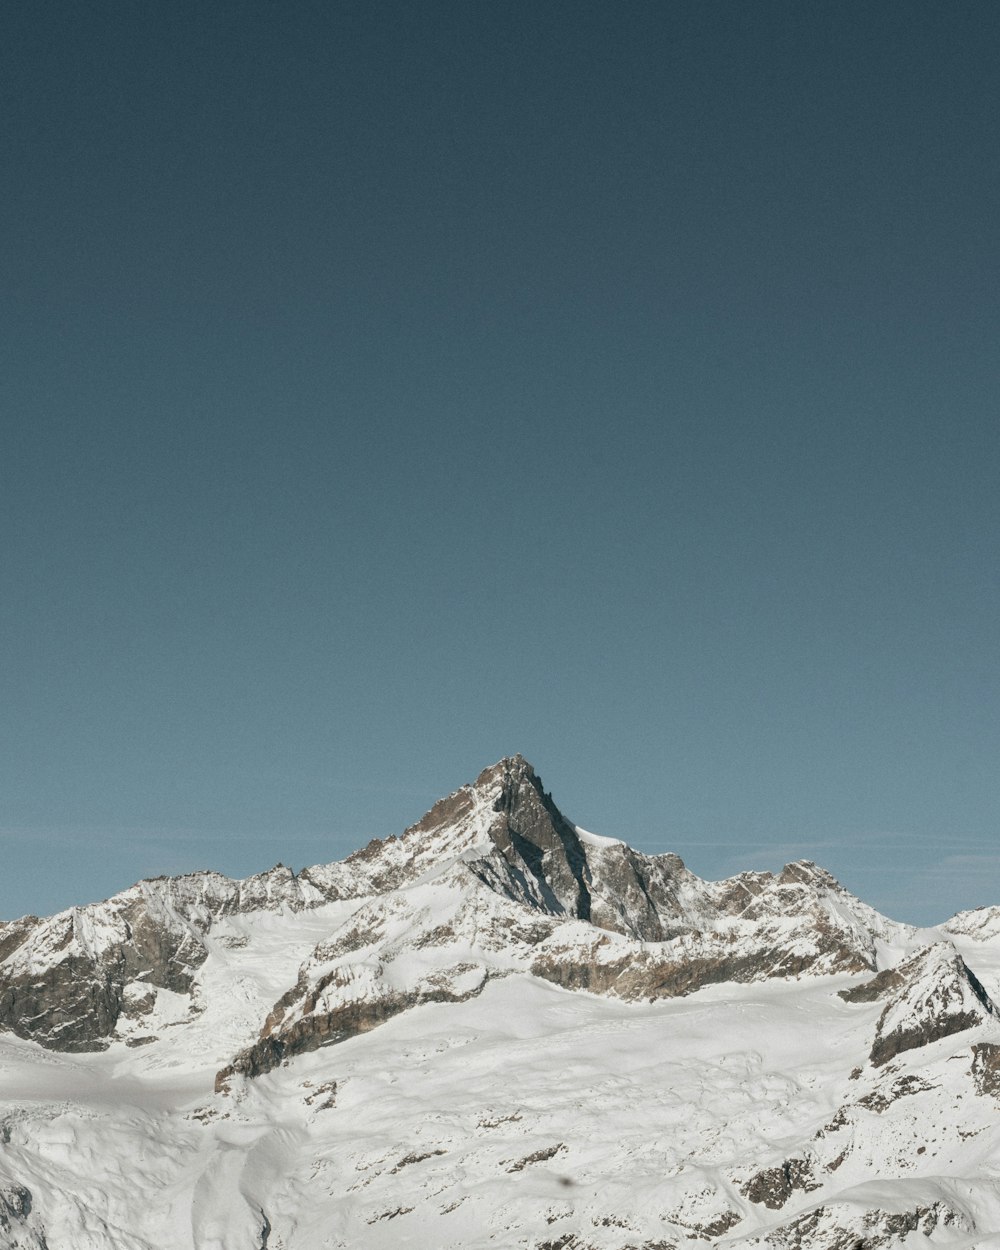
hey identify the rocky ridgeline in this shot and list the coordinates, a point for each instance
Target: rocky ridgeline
(842, 1226)
(64, 979)
(928, 997)
(517, 888)
(493, 880)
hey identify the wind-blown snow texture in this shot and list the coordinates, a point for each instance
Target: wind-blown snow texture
(498, 1030)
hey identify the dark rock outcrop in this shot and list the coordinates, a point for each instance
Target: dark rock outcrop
(20, 1228)
(877, 987)
(71, 1006)
(774, 1186)
(534, 836)
(314, 1026)
(660, 972)
(931, 995)
(63, 979)
(985, 1068)
(835, 1226)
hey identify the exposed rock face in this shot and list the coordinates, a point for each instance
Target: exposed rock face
(879, 986)
(930, 996)
(506, 808)
(837, 1226)
(64, 980)
(17, 1226)
(774, 1186)
(885, 1096)
(326, 1015)
(393, 954)
(64, 983)
(679, 967)
(15, 1203)
(985, 1068)
(538, 842)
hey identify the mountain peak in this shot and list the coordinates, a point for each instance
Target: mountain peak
(507, 786)
(510, 764)
(509, 775)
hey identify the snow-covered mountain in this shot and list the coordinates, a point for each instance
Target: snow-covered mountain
(498, 1029)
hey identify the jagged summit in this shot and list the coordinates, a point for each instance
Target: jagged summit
(511, 786)
(929, 996)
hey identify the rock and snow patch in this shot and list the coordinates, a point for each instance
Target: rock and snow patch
(930, 996)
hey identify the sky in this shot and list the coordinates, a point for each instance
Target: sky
(388, 388)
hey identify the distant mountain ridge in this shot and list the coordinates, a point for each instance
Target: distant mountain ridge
(493, 888)
(66, 980)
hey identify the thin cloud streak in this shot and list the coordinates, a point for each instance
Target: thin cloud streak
(114, 839)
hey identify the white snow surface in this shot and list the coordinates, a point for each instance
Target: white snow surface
(513, 1118)
(596, 839)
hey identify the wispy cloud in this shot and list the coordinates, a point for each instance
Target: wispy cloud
(867, 839)
(111, 838)
(963, 865)
(323, 781)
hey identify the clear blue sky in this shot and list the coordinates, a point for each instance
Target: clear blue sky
(386, 388)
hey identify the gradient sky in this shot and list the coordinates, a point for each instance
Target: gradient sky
(386, 388)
